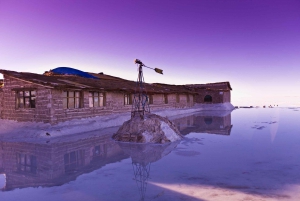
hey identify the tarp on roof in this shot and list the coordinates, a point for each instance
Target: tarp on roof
(72, 71)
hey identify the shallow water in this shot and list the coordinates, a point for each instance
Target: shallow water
(248, 154)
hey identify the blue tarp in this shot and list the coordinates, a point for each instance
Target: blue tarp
(72, 71)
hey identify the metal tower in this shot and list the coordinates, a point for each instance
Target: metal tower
(140, 104)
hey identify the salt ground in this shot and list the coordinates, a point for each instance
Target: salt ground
(259, 160)
(30, 130)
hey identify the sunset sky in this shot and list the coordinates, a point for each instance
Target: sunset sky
(254, 44)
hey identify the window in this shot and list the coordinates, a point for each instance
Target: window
(166, 98)
(96, 99)
(26, 99)
(73, 160)
(71, 99)
(26, 163)
(127, 99)
(207, 98)
(188, 98)
(150, 99)
(177, 98)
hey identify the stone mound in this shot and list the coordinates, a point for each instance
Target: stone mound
(151, 129)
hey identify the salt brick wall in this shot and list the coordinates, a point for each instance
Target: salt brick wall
(9, 110)
(114, 104)
(216, 96)
(49, 104)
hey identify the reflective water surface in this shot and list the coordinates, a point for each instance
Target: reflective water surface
(247, 154)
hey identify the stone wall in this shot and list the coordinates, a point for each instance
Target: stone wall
(9, 109)
(49, 104)
(217, 96)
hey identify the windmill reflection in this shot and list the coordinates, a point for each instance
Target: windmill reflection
(143, 155)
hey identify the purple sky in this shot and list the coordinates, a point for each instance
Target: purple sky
(254, 44)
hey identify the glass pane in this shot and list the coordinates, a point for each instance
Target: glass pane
(22, 159)
(21, 102)
(77, 102)
(32, 102)
(91, 102)
(26, 93)
(71, 103)
(66, 158)
(96, 94)
(33, 161)
(90, 94)
(27, 103)
(65, 103)
(28, 160)
(72, 157)
(101, 101)
(71, 93)
(33, 93)
(77, 94)
(20, 93)
(65, 94)
(126, 99)
(96, 101)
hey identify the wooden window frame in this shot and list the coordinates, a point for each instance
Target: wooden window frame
(177, 98)
(166, 100)
(127, 99)
(73, 99)
(25, 99)
(26, 163)
(150, 99)
(74, 160)
(93, 95)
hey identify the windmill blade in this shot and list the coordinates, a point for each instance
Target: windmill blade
(158, 70)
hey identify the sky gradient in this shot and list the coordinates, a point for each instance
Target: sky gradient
(254, 44)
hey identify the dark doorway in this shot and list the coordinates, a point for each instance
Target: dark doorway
(208, 120)
(207, 99)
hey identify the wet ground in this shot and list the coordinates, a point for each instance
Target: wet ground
(248, 154)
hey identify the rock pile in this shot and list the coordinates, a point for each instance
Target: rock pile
(151, 129)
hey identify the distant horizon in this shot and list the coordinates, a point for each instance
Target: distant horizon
(255, 45)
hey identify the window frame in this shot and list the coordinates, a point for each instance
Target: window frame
(96, 94)
(74, 100)
(150, 99)
(177, 98)
(21, 99)
(127, 99)
(26, 163)
(166, 99)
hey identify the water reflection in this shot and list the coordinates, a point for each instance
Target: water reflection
(33, 164)
(212, 122)
(142, 156)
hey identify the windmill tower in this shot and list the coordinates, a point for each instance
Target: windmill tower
(140, 104)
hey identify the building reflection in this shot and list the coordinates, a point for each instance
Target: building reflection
(211, 122)
(51, 164)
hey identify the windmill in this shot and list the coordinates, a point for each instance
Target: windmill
(140, 103)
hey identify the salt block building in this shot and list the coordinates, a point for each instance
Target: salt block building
(54, 97)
